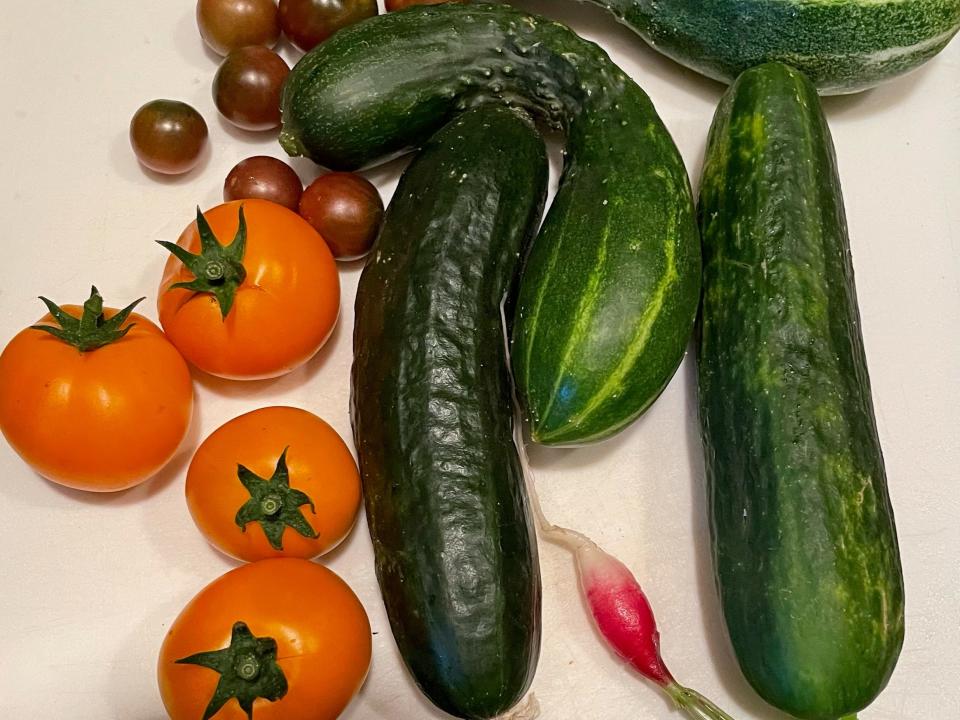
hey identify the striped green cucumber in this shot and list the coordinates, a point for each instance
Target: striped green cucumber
(844, 46)
(433, 413)
(804, 543)
(610, 288)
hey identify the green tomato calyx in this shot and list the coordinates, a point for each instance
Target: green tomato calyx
(92, 329)
(217, 269)
(274, 504)
(248, 670)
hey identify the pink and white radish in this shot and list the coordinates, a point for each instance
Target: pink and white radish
(623, 614)
(620, 610)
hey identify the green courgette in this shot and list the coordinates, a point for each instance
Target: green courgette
(433, 413)
(843, 45)
(610, 289)
(804, 543)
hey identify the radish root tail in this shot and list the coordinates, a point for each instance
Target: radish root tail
(694, 705)
(556, 534)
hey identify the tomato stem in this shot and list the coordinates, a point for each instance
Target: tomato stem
(214, 271)
(217, 269)
(271, 504)
(248, 667)
(274, 504)
(248, 670)
(91, 330)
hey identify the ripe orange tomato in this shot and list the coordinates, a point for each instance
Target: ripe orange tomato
(262, 314)
(106, 418)
(275, 482)
(284, 638)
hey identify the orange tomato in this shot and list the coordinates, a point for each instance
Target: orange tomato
(283, 310)
(103, 419)
(302, 653)
(320, 471)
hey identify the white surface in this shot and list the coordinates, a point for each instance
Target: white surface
(90, 583)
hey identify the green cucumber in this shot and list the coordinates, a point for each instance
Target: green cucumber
(804, 543)
(844, 46)
(610, 289)
(433, 413)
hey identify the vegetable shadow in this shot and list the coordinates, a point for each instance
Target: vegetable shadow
(125, 164)
(408, 703)
(265, 142)
(714, 627)
(875, 101)
(395, 695)
(695, 171)
(189, 45)
(594, 22)
(140, 650)
(578, 457)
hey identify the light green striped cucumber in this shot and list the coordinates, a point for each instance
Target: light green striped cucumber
(842, 45)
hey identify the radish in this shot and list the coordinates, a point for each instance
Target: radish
(617, 604)
(622, 613)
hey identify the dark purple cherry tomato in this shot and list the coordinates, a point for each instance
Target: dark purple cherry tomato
(266, 178)
(168, 136)
(392, 5)
(309, 22)
(247, 87)
(346, 210)
(228, 25)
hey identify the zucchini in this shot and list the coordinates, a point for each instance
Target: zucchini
(433, 413)
(804, 543)
(610, 289)
(844, 46)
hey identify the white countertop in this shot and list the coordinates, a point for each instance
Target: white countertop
(90, 583)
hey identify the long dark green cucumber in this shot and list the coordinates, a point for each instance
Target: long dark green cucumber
(804, 543)
(433, 413)
(843, 45)
(610, 289)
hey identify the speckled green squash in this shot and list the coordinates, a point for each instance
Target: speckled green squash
(610, 288)
(433, 413)
(843, 45)
(804, 543)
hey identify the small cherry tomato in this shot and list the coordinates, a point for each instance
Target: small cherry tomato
(94, 398)
(284, 636)
(252, 292)
(346, 210)
(275, 482)
(266, 178)
(228, 25)
(309, 22)
(168, 136)
(247, 87)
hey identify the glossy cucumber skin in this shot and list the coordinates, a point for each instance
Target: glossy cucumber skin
(844, 46)
(610, 288)
(804, 542)
(433, 413)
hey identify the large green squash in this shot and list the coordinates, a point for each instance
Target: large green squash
(804, 543)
